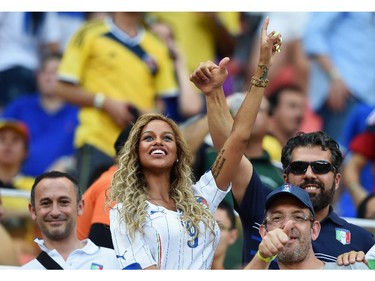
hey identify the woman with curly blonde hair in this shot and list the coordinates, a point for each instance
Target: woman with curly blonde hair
(160, 181)
(163, 218)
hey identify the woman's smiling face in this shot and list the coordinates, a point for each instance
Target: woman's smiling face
(157, 145)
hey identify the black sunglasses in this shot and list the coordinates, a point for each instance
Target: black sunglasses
(318, 167)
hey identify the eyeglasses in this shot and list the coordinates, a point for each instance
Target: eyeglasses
(279, 219)
(319, 167)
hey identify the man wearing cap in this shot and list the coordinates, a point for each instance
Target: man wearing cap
(311, 161)
(14, 139)
(287, 232)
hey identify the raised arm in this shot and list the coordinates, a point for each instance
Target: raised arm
(231, 141)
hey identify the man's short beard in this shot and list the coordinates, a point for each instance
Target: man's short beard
(323, 199)
(297, 255)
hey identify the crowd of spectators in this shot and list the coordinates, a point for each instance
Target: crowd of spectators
(71, 82)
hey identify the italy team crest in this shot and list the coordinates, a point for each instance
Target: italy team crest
(95, 266)
(343, 235)
(286, 187)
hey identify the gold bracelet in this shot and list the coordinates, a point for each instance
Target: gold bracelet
(259, 82)
(265, 259)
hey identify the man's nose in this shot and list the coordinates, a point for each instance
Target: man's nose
(54, 209)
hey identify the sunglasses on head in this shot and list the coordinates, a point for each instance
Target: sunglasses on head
(318, 167)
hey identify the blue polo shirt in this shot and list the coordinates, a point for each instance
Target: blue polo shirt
(336, 237)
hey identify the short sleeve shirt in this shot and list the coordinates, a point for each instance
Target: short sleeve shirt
(90, 257)
(336, 236)
(167, 243)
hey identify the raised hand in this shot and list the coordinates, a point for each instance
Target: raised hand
(209, 76)
(275, 240)
(269, 44)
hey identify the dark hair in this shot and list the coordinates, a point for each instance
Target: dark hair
(274, 96)
(309, 140)
(122, 138)
(224, 205)
(54, 175)
(362, 207)
(46, 57)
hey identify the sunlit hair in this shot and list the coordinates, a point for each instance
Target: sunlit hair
(129, 185)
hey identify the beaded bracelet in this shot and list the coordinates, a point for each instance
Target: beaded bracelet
(259, 82)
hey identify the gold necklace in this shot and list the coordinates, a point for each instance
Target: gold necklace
(153, 201)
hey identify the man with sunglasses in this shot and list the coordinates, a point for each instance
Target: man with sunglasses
(311, 161)
(288, 230)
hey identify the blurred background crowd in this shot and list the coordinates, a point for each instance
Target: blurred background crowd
(55, 65)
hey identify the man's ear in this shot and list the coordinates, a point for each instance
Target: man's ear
(80, 206)
(32, 212)
(315, 230)
(337, 180)
(285, 177)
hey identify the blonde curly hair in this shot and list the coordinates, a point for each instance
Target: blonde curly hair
(129, 185)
